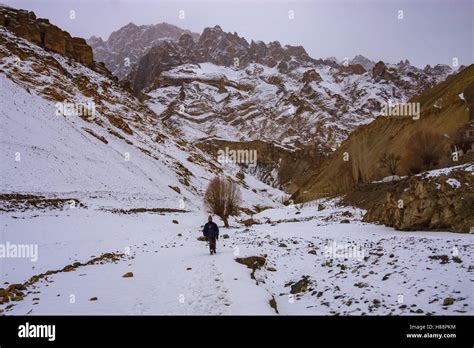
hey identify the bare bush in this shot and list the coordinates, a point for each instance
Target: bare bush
(222, 198)
(390, 162)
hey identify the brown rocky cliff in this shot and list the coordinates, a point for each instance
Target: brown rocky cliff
(44, 34)
(443, 203)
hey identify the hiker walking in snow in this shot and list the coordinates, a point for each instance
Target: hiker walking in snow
(211, 232)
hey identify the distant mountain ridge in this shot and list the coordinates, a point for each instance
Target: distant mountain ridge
(127, 45)
(224, 86)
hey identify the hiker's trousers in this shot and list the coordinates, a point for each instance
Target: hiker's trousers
(212, 244)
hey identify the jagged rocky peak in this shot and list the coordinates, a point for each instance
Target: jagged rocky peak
(164, 56)
(94, 40)
(42, 33)
(124, 47)
(222, 48)
(403, 63)
(438, 69)
(366, 63)
(217, 47)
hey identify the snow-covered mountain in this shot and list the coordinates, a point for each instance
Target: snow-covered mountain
(312, 104)
(127, 45)
(223, 86)
(69, 130)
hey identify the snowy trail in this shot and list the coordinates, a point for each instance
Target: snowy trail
(172, 274)
(403, 273)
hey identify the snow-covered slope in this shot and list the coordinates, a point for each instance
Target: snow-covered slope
(122, 148)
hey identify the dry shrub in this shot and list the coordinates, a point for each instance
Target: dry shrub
(390, 162)
(222, 198)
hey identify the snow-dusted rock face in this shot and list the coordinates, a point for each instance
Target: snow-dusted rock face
(127, 45)
(311, 104)
(221, 85)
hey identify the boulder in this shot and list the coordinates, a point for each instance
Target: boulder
(300, 286)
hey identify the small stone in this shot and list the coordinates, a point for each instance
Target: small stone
(361, 285)
(93, 299)
(17, 287)
(128, 275)
(448, 301)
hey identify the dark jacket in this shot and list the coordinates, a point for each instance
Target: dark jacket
(211, 230)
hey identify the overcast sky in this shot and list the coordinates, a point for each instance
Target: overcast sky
(429, 32)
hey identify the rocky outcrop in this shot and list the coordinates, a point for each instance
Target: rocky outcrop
(310, 76)
(162, 57)
(445, 202)
(354, 69)
(380, 71)
(276, 165)
(42, 33)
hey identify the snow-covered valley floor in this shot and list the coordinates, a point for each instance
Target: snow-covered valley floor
(383, 271)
